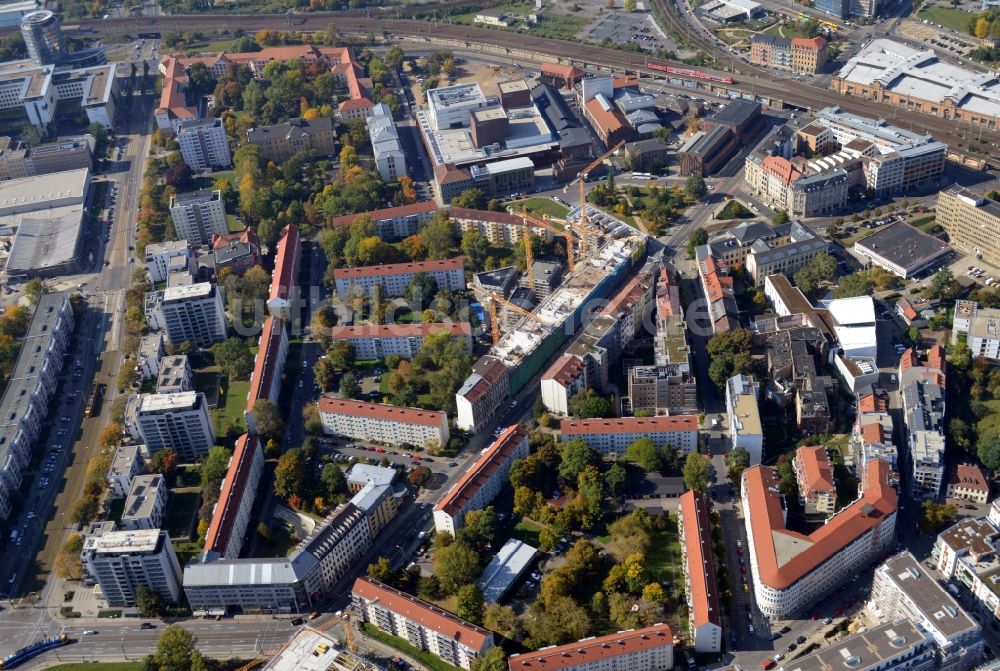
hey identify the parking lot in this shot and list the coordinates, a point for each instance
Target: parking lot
(620, 27)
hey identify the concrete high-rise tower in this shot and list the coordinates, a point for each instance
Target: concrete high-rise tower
(43, 37)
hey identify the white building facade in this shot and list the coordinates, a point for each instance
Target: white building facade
(383, 423)
(204, 145)
(198, 216)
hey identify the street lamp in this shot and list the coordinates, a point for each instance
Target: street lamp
(125, 654)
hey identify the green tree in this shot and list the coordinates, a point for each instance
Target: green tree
(616, 479)
(943, 286)
(697, 472)
(473, 199)
(576, 455)
(822, 268)
(855, 284)
(267, 418)
(476, 248)
(501, 619)
(325, 374)
(645, 454)
(588, 404)
(694, 187)
(381, 570)
(34, 289)
(341, 355)
(421, 289)
(455, 566)
(234, 358)
(290, 475)
(989, 452)
(148, 602)
(163, 462)
(333, 481)
(480, 529)
(780, 217)
(349, 387)
(557, 620)
(934, 515)
(438, 236)
(493, 660)
(698, 237)
(738, 461)
(213, 471)
(469, 603)
(177, 651)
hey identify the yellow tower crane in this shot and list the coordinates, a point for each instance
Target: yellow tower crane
(567, 234)
(581, 179)
(495, 323)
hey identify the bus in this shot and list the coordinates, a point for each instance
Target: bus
(94, 400)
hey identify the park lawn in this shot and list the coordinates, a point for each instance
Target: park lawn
(559, 27)
(541, 206)
(231, 406)
(664, 558)
(181, 511)
(234, 225)
(208, 181)
(186, 550)
(104, 666)
(432, 662)
(527, 532)
(957, 19)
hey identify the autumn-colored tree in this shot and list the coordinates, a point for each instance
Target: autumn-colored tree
(111, 435)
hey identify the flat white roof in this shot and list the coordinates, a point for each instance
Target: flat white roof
(199, 290)
(181, 400)
(849, 311)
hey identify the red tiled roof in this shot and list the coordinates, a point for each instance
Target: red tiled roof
(592, 650)
(231, 496)
(488, 464)
(456, 263)
(265, 364)
(247, 236)
(808, 42)
(610, 120)
(286, 263)
(629, 296)
(874, 402)
(485, 215)
(767, 519)
(423, 207)
(355, 103)
(906, 308)
(969, 476)
(872, 433)
(935, 357)
(667, 294)
(387, 413)
(564, 370)
(564, 71)
(816, 468)
(578, 427)
(399, 330)
(781, 168)
(427, 615)
(703, 596)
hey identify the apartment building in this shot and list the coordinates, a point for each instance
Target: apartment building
(268, 362)
(362, 474)
(798, 54)
(632, 307)
(644, 649)
(394, 277)
(231, 512)
(146, 503)
(814, 474)
(123, 561)
(175, 375)
(698, 562)
(482, 393)
(968, 482)
(790, 252)
(333, 548)
(871, 438)
(162, 256)
(717, 285)
(787, 583)
(383, 423)
(613, 436)
(981, 328)
(394, 223)
(281, 141)
(25, 402)
(37, 90)
(239, 252)
(193, 313)
(422, 625)
(902, 588)
(176, 421)
(662, 390)
(481, 483)
(285, 277)
(127, 464)
(566, 376)
(966, 556)
(500, 228)
(151, 350)
(377, 341)
(896, 645)
(199, 216)
(387, 148)
(204, 145)
(922, 396)
(745, 429)
(972, 222)
(801, 189)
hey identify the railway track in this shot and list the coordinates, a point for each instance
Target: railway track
(748, 79)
